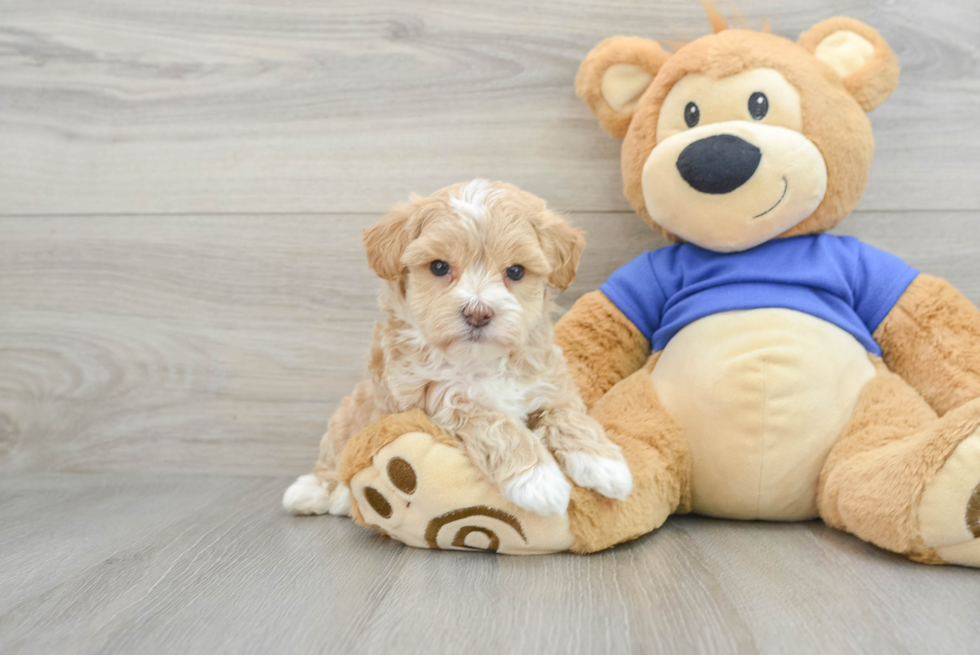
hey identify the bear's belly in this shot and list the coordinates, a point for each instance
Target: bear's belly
(762, 395)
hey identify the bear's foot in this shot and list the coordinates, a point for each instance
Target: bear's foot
(949, 513)
(424, 492)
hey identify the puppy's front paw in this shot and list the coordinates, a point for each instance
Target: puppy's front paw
(542, 490)
(340, 501)
(610, 477)
(311, 496)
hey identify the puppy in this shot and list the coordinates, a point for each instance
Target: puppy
(469, 278)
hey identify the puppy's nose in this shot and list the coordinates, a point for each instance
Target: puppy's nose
(718, 164)
(477, 314)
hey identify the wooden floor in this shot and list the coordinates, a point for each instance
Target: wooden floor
(183, 301)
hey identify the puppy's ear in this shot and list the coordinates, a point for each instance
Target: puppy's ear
(386, 241)
(865, 62)
(563, 246)
(614, 75)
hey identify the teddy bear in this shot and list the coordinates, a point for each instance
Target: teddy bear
(758, 368)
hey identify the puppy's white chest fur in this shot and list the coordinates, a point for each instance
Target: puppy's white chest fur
(473, 375)
(494, 388)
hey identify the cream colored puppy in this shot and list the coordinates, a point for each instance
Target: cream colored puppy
(470, 274)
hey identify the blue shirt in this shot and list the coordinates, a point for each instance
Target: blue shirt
(837, 279)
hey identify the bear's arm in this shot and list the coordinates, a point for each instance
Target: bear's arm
(931, 337)
(600, 344)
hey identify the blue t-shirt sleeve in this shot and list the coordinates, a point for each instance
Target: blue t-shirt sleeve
(880, 278)
(635, 290)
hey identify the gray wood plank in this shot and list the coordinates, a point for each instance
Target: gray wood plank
(55, 526)
(234, 574)
(174, 590)
(109, 106)
(221, 344)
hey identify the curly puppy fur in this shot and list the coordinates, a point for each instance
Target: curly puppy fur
(474, 349)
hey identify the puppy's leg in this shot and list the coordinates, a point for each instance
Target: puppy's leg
(312, 496)
(580, 445)
(516, 460)
(319, 492)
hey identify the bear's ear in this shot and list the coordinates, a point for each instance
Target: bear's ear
(856, 52)
(614, 76)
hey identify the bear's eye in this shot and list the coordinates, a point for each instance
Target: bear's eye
(439, 268)
(758, 105)
(692, 114)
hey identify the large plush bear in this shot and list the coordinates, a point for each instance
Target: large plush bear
(758, 368)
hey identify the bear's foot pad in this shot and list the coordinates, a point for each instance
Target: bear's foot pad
(949, 515)
(427, 494)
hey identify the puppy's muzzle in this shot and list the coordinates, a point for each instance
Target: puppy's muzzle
(477, 315)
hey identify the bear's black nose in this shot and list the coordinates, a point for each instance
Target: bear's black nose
(718, 164)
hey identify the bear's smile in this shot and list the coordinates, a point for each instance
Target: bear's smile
(785, 187)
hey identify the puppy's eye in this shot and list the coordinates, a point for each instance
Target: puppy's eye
(439, 268)
(516, 272)
(692, 115)
(758, 105)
